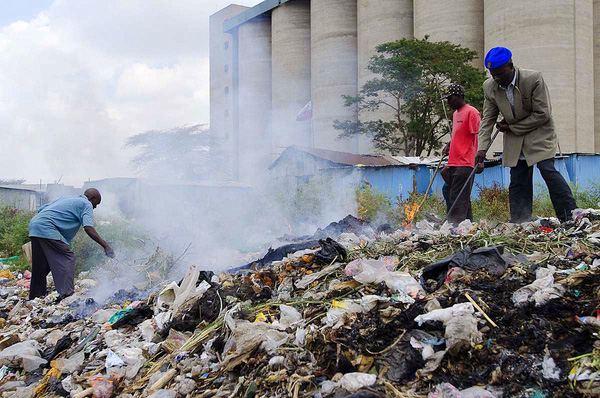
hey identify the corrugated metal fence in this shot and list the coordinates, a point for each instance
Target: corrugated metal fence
(399, 180)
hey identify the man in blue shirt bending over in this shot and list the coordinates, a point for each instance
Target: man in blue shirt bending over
(51, 230)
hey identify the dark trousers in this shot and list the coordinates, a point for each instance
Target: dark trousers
(54, 256)
(462, 209)
(520, 191)
(446, 195)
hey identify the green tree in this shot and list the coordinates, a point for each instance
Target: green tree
(412, 74)
(178, 153)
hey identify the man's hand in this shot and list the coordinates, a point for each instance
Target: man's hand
(480, 168)
(446, 150)
(109, 251)
(480, 157)
(503, 126)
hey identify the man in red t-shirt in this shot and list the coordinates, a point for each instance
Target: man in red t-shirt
(461, 149)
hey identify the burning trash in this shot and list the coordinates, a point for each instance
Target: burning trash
(480, 310)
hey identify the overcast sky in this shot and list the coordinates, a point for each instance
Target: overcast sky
(78, 76)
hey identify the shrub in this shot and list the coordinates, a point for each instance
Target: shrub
(311, 201)
(14, 233)
(589, 197)
(492, 204)
(125, 237)
(434, 204)
(372, 203)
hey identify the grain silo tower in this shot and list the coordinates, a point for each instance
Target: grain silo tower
(597, 75)
(555, 37)
(290, 24)
(379, 21)
(456, 21)
(334, 64)
(254, 96)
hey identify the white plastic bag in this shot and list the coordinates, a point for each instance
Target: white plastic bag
(24, 354)
(70, 365)
(113, 362)
(357, 380)
(542, 290)
(289, 316)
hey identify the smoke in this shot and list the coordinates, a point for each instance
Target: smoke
(103, 85)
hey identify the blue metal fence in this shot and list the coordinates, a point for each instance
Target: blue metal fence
(581, 170)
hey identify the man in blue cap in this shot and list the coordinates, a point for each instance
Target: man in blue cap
(521, 95)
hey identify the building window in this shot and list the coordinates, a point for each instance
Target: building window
(226, 112)
(226, 45)
(226, 68)
(226, 90)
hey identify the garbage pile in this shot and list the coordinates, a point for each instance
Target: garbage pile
(479, 310)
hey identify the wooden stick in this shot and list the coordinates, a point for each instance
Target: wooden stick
(84, 393)
(160, 383)
(480, 310)
(431, 183)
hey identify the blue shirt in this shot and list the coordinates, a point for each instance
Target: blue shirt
(61, 219)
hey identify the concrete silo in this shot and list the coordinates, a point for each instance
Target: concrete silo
(254, 97)
(379, 21)
(334, 66)
(597, 75)
(556, 38)
(290, 24)
(457, 21)
(221, 98)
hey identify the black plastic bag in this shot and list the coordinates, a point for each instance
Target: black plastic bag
(135, 316)
(330, 251)
(491, 258)
(62, 344)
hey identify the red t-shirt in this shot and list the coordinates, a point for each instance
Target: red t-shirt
(463, 146)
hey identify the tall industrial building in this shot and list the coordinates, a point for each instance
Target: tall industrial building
(269, 61)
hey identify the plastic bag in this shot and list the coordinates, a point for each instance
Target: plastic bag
(187, 288)
(102, 386)
(148, 329)
(549, 369)
(204, 286)
(378, 271)
(308, 279)
(460, 323)
(103, 316)
(163, 394)
(24, 354)
(356, 380)
(447, 390)
(542, 290)
(274, 339)
(289, 316)
(113, 363)
(464, 227)
(167, 296)
(70, 365)
(330, 252)
(134, 360)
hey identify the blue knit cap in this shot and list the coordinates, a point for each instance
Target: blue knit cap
(497, 57)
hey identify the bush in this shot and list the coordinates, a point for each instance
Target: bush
(14, 233)
(312, 201)
(371, 203)
(492, 204)
(587, 198)
(124, 236)
(434, 204)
